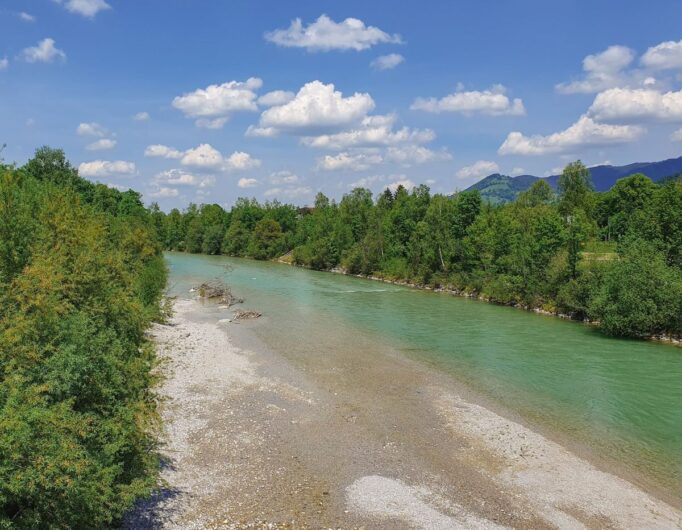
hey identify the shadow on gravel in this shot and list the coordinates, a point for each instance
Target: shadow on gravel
(153, 513)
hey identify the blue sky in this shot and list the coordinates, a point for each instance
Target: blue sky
(207, 101)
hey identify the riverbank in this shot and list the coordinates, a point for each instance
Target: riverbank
(666, 339)
(363, 439)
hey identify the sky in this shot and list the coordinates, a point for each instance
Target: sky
(207, 101)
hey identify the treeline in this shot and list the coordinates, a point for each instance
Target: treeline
(613, 257)
(81, 276)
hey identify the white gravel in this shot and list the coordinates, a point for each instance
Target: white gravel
(557, 482)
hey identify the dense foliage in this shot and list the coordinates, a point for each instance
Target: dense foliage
(81, 275)
(614, 257)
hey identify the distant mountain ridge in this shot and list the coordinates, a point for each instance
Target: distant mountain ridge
(498, 188)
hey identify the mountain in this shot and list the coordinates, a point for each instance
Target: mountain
(498, 188)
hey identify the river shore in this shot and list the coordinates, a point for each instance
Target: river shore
(359, 441)
(667, 339)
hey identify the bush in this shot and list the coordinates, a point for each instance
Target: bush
(76, 409)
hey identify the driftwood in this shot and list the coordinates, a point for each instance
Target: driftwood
(244, 315)
(216, 289)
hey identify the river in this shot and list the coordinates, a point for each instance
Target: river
(618, 399)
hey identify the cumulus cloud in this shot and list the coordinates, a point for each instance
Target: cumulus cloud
(162, 151)
(276, 97)
(213, 105)
(664, 56)
(141, 116)
(316, 108)
(207, 157)
(203, 156)
(164, 193)
(584, 133)
(517, 171)
(373, 131)
(26, 17)
(4, 63)
(676, 136)
(624, 104)
(387, 62)
(106, 168)
(405, 183)
(247, 183)
(349, 161)
(324, 35)
(493, 102)
(479, 169)
(44, 52)
(415, 154)
(239, 160)
(101, 145)
(179, 177)
(86, 8)
(602, 71)
(91, 129)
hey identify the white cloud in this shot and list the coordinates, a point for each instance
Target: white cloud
(179, 177)
(493, 102)
(676, 136)
(105, 168)
(276, 97)
(366, 182)
(349, 161)
(517, 171)
(213, 105)
(479, 169)
(664, 56)
(44, 52)
(405, 183)
(162, 151)
(324, 34)
(86, 8)
(247, 183)
(141, 116)
(387, 62)
(602, 70)
(203, 156)
(91, 129)
(372, 131)
(4, 63)
(261, 132)
(164, 193)
(624, 104)
(415, 154)
(26, 17)
(101, 145)
(284, 177)
(584, 133)
(316, 108)
(240, 160)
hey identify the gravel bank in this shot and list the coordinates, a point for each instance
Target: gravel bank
(360, 440)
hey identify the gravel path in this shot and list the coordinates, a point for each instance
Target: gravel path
(256, 440)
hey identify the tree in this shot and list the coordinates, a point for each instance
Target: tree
(539, 193)
(640, 295)
(575, 189)
(266, 240)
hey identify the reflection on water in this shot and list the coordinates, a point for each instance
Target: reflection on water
(623, 398)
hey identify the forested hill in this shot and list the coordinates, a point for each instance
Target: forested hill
(498, 188)
(614, 257)
(81, 275)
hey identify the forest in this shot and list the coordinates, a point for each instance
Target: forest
(81, 278)
(614, 258)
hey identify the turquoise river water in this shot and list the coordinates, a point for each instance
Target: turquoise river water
(620, 399)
